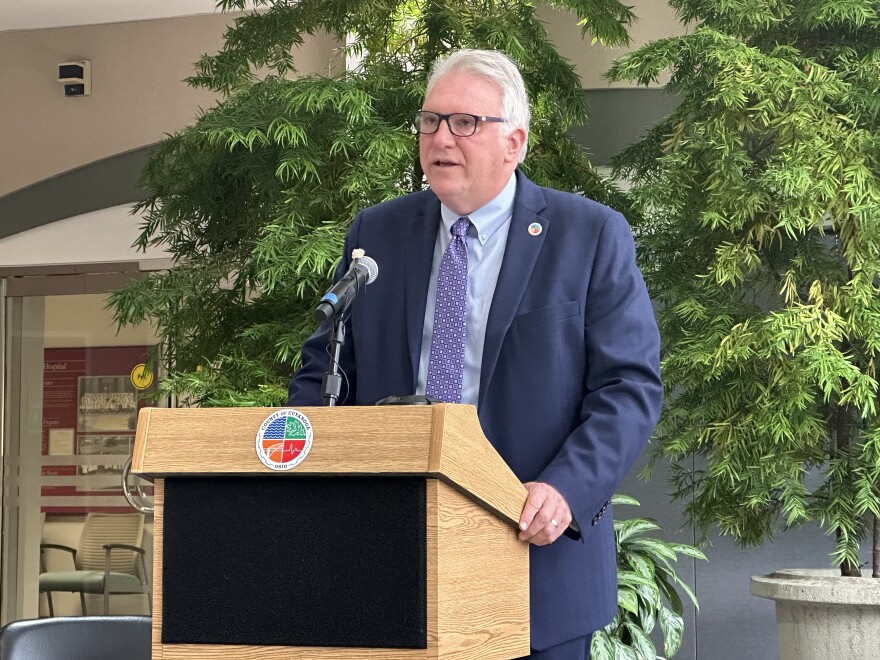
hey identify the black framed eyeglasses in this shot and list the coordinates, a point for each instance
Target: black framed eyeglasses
(461, 124)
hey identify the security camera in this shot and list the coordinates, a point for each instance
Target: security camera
(76, 77)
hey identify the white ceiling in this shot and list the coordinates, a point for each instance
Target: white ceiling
(39, 14)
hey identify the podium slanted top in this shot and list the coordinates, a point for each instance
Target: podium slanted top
(442, 441)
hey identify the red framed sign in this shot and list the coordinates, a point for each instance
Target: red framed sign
(91, 397)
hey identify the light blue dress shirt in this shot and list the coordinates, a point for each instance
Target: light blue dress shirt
(487, 238)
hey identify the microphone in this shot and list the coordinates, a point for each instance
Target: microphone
(363, 271)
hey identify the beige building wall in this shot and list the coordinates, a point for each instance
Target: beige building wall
(138, 93)
(98, 237)
(138, 96)
(655, 20)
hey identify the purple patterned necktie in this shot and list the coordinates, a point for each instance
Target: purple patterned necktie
(446, 363)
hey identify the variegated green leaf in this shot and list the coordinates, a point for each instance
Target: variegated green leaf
(628, 600)
(622, 651)
(641, 643)
(672, 627)
(601, 647)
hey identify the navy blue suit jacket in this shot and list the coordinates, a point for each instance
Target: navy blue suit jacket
(569, 386)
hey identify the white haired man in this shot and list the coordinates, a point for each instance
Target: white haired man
(526, 302)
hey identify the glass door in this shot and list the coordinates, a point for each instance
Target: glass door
(22, 419)
(72, 385)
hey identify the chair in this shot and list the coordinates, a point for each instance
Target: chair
(108, 560)
(77, 638)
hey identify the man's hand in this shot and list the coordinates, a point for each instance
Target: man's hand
(545, 514)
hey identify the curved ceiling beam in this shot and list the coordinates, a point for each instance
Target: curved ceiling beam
(98, 185)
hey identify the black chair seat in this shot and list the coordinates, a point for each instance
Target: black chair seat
(77, 638)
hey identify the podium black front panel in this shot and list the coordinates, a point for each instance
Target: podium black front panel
(304, 561)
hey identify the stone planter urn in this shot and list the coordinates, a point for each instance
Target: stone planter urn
(823, 616)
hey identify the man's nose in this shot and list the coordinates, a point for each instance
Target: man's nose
(444, 134)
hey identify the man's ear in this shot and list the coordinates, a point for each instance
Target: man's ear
(515, 141)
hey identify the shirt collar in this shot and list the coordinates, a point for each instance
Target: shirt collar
(490, 217)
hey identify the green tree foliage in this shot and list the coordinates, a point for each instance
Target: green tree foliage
(254, 199)
(761, 243)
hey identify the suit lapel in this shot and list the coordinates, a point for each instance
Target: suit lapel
(520, 256)
(420, 255)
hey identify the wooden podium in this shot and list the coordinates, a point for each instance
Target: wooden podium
(467, 596)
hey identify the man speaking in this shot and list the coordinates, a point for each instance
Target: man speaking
(525, 302)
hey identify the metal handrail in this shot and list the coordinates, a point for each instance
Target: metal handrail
(126, 490)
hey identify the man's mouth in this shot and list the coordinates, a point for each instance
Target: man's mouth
(444, 163)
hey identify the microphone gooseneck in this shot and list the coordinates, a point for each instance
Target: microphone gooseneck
(362, 271)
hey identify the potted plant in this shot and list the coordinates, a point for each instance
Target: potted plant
(760, 240)
(648, 597)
